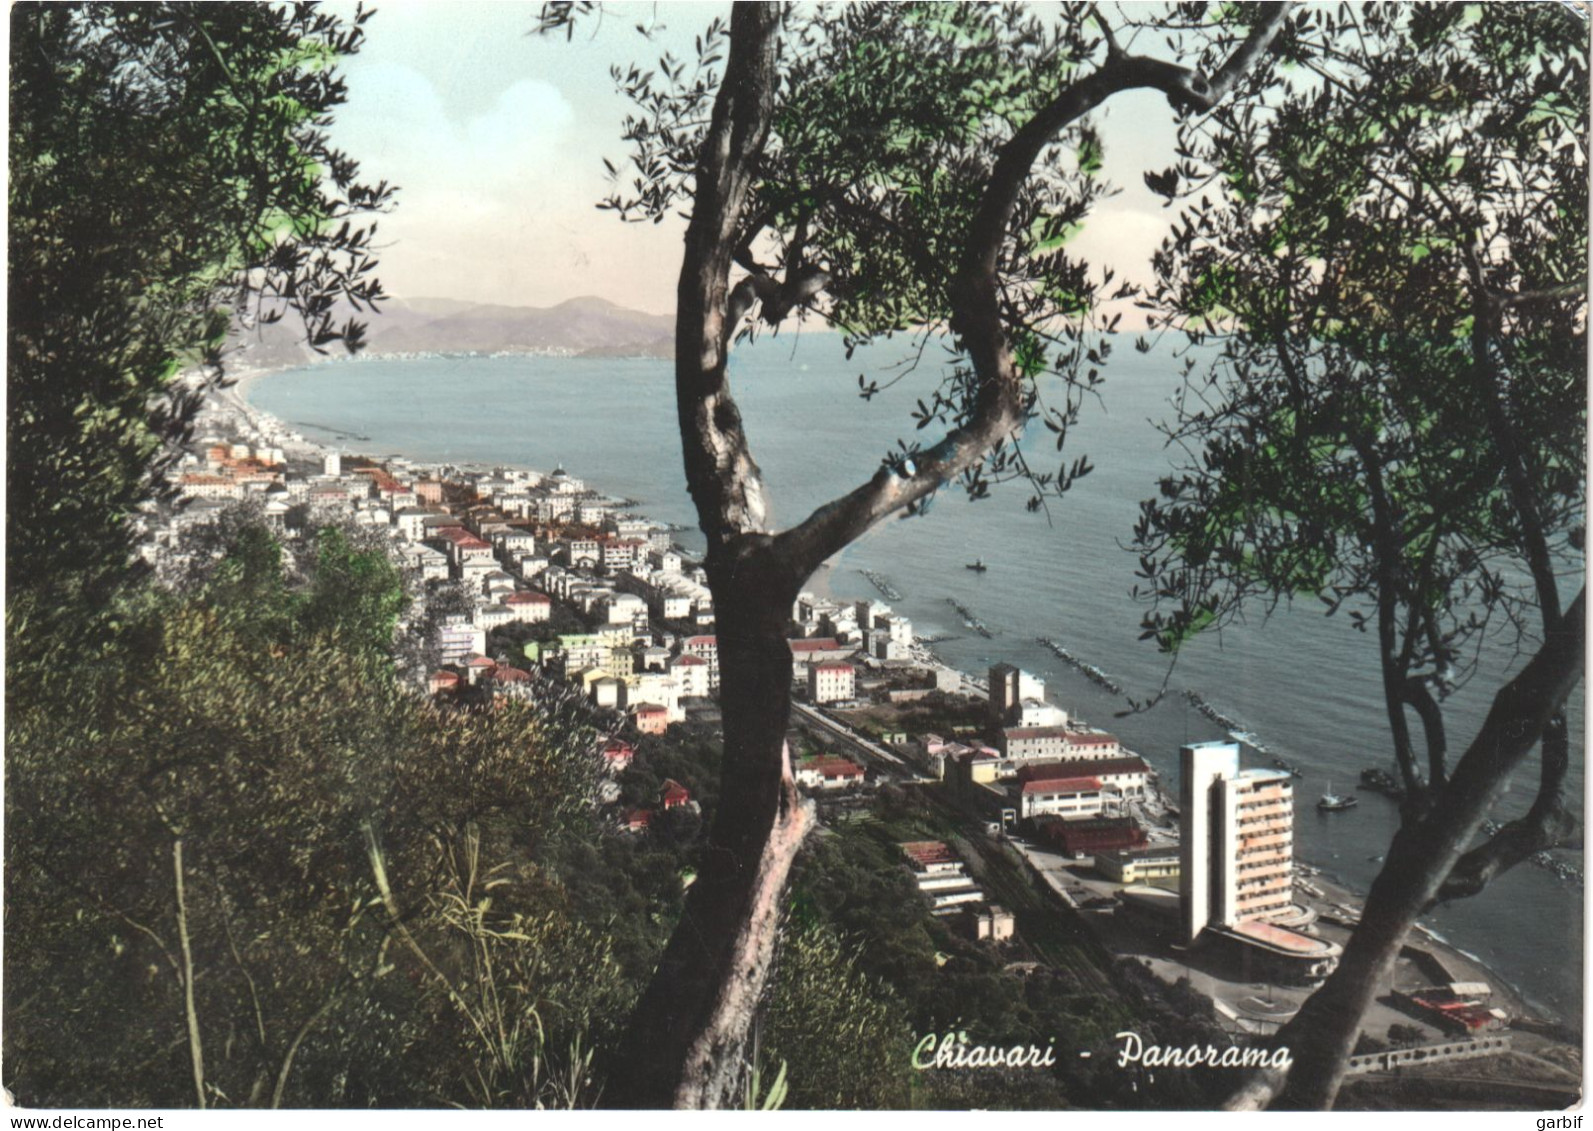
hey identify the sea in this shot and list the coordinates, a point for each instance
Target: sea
(1294, 683)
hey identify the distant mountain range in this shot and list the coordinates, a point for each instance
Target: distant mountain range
(580, 327)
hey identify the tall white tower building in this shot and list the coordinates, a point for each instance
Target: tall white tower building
(1238, 840)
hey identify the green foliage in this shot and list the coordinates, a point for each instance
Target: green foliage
(841, 1033)
(759, 1098)
(1392, 406)
(169, 172)
(687, 752)
(368, 921)
(634, 885)
(358, 590)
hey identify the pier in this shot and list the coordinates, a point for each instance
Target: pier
(1094, 674)
(973, 623)
(887, 590)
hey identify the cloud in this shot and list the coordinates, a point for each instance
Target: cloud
(398, 125)
(483, 194)
(524, 128)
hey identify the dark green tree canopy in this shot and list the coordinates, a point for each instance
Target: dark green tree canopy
(170, 175)
(1384, 276)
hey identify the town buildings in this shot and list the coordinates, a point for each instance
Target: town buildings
(942, 879)
(1055, 744)
(1134, 866)
(828, 772)
(940, 875)
(832, 681)
(1061, 796)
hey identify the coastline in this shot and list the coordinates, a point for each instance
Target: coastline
(235, 399)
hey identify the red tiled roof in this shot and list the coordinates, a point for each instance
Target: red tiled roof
(822, 644)
(650, 709)
(834, 666)
(1278, 936)
(688, 660)
(383, 480)
(638, 818)
(673, 793)
(526, 597)
(1062, 785)
(832, 766)
(701, 642)
(462, 538)
(925, 852)
(510, 675)
(479, 662)
(1083, 767)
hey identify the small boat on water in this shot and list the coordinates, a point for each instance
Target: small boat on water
(977, 565)
(1332, 802)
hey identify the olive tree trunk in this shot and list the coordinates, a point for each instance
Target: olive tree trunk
(686, 1040)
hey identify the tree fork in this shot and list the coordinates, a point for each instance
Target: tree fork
(685, 1042)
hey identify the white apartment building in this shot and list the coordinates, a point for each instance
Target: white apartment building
(1237, 839)
(658, 689)
(512, 543)
(528, 607)
(582, 553)
(833, 681)
(1061, 797)
(691, 673)
(1038, 713)
(457, 639)
(1056, 744)
(705, 648)
(625, 608)
(623, 553)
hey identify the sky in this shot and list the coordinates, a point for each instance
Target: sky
(496, 137)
